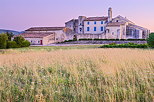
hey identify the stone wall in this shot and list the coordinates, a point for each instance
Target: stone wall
(103, 42)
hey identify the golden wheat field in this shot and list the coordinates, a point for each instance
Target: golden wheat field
(77, 75)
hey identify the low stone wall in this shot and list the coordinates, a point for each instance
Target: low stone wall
(103, 42)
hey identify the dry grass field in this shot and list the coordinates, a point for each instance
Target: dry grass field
(77, 75)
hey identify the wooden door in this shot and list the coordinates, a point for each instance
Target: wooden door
(41, 42)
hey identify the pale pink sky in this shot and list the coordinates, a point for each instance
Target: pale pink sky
(23, 14)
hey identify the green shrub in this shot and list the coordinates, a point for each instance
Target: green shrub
(25, 43)
(19, 40)
(127, 45)
(12, 44)
(3, 41)
(131, 43)
(112, 44)
(150, 40)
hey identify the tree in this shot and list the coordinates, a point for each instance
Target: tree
(12, 44)
(25, 43)
(3, 41)
(10, 35)
(19, 40)
(150, 40)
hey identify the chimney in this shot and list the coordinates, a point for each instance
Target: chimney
(109, 14)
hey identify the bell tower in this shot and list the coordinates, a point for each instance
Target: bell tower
(109, 14)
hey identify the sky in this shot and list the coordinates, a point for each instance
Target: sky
(22, 14)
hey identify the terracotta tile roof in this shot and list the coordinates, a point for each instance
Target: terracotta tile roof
(45, 28)
(34, 35)
(96, 18)
(115, 23)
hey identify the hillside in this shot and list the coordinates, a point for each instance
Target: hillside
(14, 32)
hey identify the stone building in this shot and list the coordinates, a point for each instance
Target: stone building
(46, 35)
(106, 27)
(36, 38)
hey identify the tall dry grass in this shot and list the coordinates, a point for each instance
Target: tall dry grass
(78, 75)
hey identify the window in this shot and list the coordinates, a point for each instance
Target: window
(88, 28)
(117, 21)
(101, 22)
(94, 22)
(88, 23)
(80, 29)
(94, 28)
(102, 28)
(38, 41)
(107, 30)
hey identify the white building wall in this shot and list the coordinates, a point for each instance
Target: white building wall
(60, 36)
(140, 34)
(113, 32)
(34, 41)
(123, 32)
(49, 39)
(45, 41)
(91, 25)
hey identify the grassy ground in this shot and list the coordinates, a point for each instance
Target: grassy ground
(49, 48)
(76, 74)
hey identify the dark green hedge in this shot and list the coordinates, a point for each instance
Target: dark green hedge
(127, 45)
(115, 39)
(107, 40)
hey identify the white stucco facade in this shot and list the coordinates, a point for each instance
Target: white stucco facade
(35, 41)
(94, 27)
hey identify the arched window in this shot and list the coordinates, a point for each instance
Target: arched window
(107, 30)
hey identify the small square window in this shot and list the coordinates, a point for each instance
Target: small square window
(88, 28)
(94, 28)
(102, 28)
(102, 22)
(80, 29)
(88, 23)
(95, 22)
